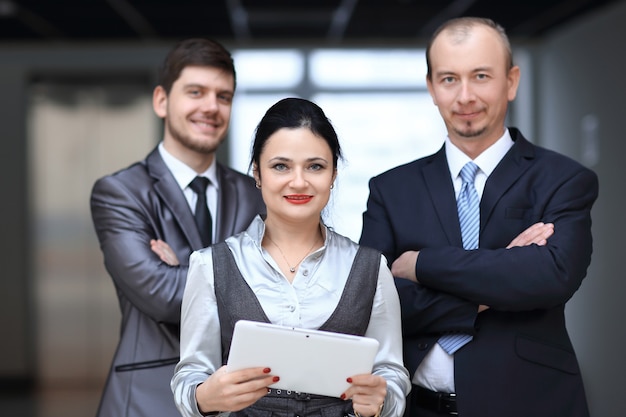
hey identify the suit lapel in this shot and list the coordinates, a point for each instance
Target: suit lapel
(441, 190)
(172, 196)
(517, 160)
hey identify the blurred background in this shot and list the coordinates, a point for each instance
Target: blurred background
(76, 80)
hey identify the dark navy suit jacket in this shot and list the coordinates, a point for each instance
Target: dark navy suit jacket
(521, 361)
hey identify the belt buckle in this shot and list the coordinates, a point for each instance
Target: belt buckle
(302, 396)
(444, 405)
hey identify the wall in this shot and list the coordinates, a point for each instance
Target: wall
(16, 349)
(581, 111)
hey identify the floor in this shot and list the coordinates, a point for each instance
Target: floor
(65, 402)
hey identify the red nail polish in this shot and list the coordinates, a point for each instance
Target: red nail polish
(276, 379)
(349, 380)
(343, 396)
(267, 370)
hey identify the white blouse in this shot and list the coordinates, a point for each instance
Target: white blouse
(307, 302)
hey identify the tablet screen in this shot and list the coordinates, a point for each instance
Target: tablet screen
(310, 361)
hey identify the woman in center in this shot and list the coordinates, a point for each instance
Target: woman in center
(288, 268)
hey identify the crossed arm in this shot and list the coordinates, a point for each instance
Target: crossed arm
(124, 224)
(164, 252)
(538, 234)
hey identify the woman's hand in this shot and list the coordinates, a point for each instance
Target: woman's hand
(367, 393)
(164, 251)
(233, 391)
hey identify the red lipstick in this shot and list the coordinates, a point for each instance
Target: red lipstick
(298, 198)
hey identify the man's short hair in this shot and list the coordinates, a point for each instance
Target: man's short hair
(194, 52)
(461, 27)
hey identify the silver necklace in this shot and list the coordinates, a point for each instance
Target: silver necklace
(292, 269)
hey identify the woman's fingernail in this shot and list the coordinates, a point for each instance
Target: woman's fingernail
(343, 396)
(267, 370)
(276, 379)
(349, 380)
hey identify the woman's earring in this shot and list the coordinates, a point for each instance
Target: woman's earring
(257, 185)
(332, 186)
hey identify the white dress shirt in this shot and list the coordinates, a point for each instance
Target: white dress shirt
(436, 371)
(183, 175)
(307, 302)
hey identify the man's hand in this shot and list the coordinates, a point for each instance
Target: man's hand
(404, 266)
(164, 252)
(537, 234)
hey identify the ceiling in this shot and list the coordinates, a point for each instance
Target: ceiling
(326, 21)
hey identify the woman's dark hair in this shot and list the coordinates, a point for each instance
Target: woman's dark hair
(293, 113)
(197, 52)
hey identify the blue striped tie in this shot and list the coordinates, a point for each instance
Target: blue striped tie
(468, 205)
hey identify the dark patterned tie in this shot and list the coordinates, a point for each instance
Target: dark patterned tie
(468, 205)
(202, 214)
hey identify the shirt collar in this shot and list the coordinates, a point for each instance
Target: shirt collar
(256, 231)
(182, 173)
(486, 161)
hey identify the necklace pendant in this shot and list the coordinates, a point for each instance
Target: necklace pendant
(292, 270)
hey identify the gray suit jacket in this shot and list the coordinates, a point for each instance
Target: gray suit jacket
(129, 208)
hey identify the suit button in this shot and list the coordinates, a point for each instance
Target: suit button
(422, 346)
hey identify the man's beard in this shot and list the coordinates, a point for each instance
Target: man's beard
(189, 142)
(469, 132)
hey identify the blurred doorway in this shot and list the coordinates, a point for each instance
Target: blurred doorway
(78, 130)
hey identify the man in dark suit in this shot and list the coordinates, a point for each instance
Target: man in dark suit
(534, 245)
(144, 219)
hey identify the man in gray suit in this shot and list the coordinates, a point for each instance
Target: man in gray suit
(151, 203)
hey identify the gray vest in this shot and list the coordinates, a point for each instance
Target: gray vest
(236, 301)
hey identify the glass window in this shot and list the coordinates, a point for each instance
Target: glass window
(246, 114)
(376, 99)
(376, 132)
(368, 68)
(264, 69)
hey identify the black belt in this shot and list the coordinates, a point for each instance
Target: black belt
(300, 396)
(439, 402)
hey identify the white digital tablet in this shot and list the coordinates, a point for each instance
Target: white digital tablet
(310, 361)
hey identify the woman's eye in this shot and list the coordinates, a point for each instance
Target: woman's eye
(280, 167)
